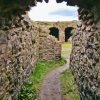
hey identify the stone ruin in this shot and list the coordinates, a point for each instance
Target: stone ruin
(54, 31)
(62, 31)
(49, 46)
(62, 36)
(19, 47)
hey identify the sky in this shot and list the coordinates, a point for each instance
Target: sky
(53, 11)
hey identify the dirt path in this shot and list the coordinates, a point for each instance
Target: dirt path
(51, 89)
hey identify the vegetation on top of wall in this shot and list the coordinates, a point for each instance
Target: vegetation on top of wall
(31, 88)
(62, 23)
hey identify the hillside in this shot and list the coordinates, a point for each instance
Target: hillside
(62, 24)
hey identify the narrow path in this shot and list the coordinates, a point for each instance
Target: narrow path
(51, 89)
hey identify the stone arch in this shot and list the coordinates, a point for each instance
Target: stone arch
(68, 33)
(54, 31)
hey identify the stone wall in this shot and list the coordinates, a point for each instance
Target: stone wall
(18, 55)
(85, 56)
(21, 45)
(49, 46)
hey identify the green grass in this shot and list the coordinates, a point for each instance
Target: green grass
(66, 45)
(69, 89)
(66, 52)
(31, 88)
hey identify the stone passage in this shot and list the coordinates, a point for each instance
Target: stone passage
(21, 45)
(51, 89)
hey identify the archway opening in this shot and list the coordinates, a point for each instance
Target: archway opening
(54, 32)
(68, 33)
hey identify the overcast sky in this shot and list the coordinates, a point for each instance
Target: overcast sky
(53, 11)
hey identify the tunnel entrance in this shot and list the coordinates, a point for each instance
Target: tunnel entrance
(54, 31)
(68, 33)
(19, 53)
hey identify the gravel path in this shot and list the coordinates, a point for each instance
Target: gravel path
(51, 89)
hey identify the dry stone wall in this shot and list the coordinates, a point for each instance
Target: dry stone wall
(49, 46)
(18, 55)
(85, 56)
(21, 45)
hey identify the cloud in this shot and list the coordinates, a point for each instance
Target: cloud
(63, 12)
(53, 12)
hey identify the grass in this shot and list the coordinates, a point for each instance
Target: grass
(66, 52)
(69, 89)
(31, 88)
(66, 45)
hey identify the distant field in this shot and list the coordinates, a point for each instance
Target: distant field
(66, 48)
(66, 52)
(61, 24)
(67, 45)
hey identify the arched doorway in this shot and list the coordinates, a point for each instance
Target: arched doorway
(54, 32)
(68, 33)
